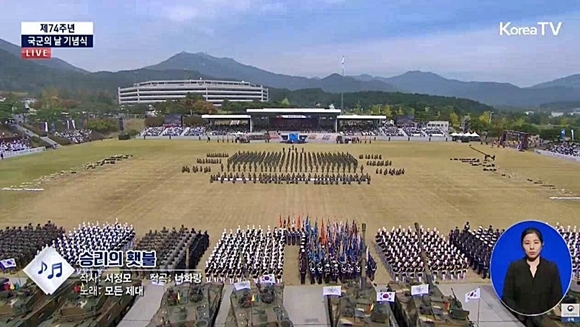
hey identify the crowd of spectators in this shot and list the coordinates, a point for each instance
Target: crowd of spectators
(391, 131)
(173, 131)
(152, 131)
(566, 148)
(75, 136)
(195, 131)
(228, 129)
(14, 145)
(368, 129)
(433, 132)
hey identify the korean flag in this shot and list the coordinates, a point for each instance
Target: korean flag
(386, 297)
(8, 263)
(268, 279)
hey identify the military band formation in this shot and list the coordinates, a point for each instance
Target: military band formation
(400, 252)
(250, 253)
(291, 178)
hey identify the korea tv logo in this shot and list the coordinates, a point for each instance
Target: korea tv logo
(531, 268)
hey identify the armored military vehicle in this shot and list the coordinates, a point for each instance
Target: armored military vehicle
(433, 309)
(260, 306)
(358, 306)
(189, 305)
(92, 311)
(27, 306)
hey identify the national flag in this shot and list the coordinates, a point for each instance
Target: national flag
(473, 295)
(268, 279)
(8, 263)
(420, 289)
(385, 296)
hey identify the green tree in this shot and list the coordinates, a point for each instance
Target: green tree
(226, 106)
(453, 119)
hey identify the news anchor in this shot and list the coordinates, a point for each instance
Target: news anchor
(531, 268)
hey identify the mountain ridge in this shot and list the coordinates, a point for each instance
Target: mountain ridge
(185, 65)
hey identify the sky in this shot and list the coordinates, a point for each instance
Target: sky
(454, 38)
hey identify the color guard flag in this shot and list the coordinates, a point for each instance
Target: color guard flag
(268, 279)
(331, 291)
(8, 263)
(243, 285)
(386, 297)
(473, 295)
(420, 289)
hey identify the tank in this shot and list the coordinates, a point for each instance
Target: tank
(260, 306)
(358, 304)
(189, 305)
(429, 310)
(28, 306)
(92, 311)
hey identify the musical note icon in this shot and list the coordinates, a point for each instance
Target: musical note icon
(49, 270)
(58, 268)
(43, 268)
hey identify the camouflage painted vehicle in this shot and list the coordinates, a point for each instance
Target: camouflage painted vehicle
(434, 309)
(189, 305)
(258, 307)
(358, 307)
(92, 311)
(358, 304)
(29, 306)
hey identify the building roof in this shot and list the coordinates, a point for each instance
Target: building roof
(225, 116)
(361, 117)
(294, 111)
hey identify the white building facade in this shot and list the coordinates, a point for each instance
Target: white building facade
(212, 91)
(443, 125)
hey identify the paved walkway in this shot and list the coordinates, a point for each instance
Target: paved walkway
(305, 306)
(144, 307)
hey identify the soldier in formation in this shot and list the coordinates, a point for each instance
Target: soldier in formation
(292, 161)
(196, 169)
(22, 243)
(379, 163)
(250, 253)
(89, 237)
(209, 161)
(399, 249)
(572, 237)
(291, 178)
(390, 171)
(171, 246)
(217, 155)
(371, 156)
(477, 245)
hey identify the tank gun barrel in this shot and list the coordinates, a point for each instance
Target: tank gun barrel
(423, 255)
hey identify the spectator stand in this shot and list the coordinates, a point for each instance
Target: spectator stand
(15, 146)
(565, 150)
(355, 125)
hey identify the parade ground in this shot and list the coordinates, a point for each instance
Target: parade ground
(150, 191)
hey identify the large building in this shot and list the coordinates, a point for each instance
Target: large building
(213, 91)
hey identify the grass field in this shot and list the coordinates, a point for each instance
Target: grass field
(149, 190)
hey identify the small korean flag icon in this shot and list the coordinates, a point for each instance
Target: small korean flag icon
(386, 297)
(49, 270)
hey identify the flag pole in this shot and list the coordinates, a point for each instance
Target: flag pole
(478, 306)
(342, 92)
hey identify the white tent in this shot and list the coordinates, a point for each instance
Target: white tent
(474, 134)
(454, 134)
(468, 134)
